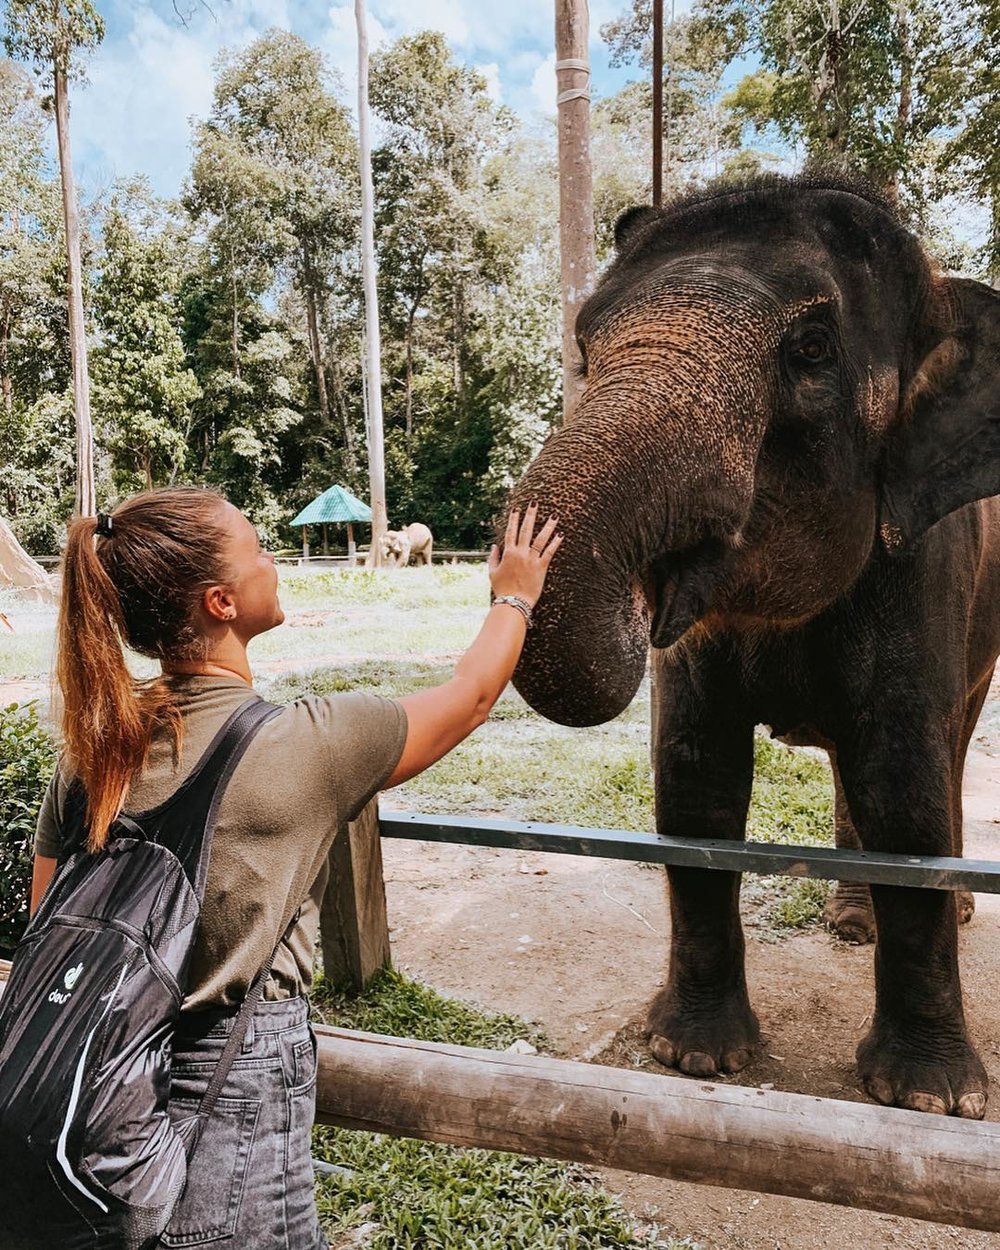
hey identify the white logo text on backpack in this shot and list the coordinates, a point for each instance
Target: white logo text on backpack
(70, 978)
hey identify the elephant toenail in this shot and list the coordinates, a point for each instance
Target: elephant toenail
(697, 1063)
(930, 1104)
(736, 1060)
(880, 1090)
(972, 1106)
(663, 1051)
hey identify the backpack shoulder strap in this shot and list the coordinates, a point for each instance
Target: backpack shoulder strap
(185, 822)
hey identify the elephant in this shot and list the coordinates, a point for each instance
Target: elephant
(781, 477)
(414, 540)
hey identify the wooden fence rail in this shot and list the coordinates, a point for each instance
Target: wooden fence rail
(852, 1154)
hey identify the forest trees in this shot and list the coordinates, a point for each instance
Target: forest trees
(900, 89)
(226, 329)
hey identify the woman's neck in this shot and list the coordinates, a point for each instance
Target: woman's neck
(214, 666)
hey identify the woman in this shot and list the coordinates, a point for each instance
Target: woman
(179, 575)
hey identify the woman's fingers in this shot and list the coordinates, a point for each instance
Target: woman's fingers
(528, 524)
(544, 534)
(494, 561)
(510, 538)
(550, 551)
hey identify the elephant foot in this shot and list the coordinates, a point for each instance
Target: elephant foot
(716, 1036)
(849, 914)
(943, 1077)
(966, 904)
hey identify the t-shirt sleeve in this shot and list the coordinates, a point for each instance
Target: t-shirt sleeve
(48, 829)
(366, 735)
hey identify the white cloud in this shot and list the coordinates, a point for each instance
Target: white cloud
(491, 73)
(543, 84)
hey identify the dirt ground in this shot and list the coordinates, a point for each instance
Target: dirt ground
(578, 946)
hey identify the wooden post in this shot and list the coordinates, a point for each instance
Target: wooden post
(578, 263)
(354, 928)
(305, 542)
(373, 350)
(657, 102)
(853, 1154)
(352, 552)
(326, 542)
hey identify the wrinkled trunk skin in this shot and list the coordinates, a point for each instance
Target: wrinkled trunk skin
(657, 463)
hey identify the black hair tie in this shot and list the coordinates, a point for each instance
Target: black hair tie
(104, 525)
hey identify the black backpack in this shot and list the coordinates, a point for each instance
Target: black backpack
(89, 1159)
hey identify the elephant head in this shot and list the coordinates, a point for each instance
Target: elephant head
(395, 546)
(778, 387)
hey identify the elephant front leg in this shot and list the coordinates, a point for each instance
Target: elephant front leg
(702, 1022)
(917, 1053)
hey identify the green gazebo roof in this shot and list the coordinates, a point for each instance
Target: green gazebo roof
(335, 504)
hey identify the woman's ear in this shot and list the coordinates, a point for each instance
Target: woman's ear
(946, 450)
(218, 604)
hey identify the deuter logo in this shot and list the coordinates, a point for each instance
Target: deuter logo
(70, 979)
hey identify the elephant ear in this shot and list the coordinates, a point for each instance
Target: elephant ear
(946, 452)
(631, 222)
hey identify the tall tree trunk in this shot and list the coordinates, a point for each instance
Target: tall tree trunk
(312, 323)
(5, 379)
(904, 36)
(85, 495)
(234, 338)
(576, 197)
(376, 443)
(350, 456)
(414, 307)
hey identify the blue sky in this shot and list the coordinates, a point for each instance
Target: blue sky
(153, 73)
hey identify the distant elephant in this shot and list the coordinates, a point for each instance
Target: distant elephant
(779, 475)
(414, 540)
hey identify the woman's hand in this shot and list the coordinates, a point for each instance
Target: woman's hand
(439, 718)
(525, 561)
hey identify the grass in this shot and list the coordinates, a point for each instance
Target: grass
(393, 1194)
(398, 1007)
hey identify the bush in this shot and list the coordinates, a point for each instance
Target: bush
(27, 761)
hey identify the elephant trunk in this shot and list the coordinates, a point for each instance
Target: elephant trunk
(651, 501)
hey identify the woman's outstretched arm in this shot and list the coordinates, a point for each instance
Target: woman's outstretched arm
(438, 719)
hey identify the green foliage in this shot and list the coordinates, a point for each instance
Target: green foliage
(792, 798)
(143, 388)
(802, 906)
(47, 32)
(398, 1007)
(27, 761)
(412, 1195)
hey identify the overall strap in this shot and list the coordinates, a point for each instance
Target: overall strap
(234, 1041)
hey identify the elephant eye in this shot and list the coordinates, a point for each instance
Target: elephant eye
(813, 349)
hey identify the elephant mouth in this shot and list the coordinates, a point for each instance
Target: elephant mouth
(682, 587)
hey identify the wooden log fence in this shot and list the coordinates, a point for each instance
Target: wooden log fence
(851, 1154)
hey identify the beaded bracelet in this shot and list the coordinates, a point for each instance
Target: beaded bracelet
(515, 601)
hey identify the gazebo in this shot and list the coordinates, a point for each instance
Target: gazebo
(337, 506)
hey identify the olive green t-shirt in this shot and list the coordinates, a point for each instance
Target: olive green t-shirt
(306, 773)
